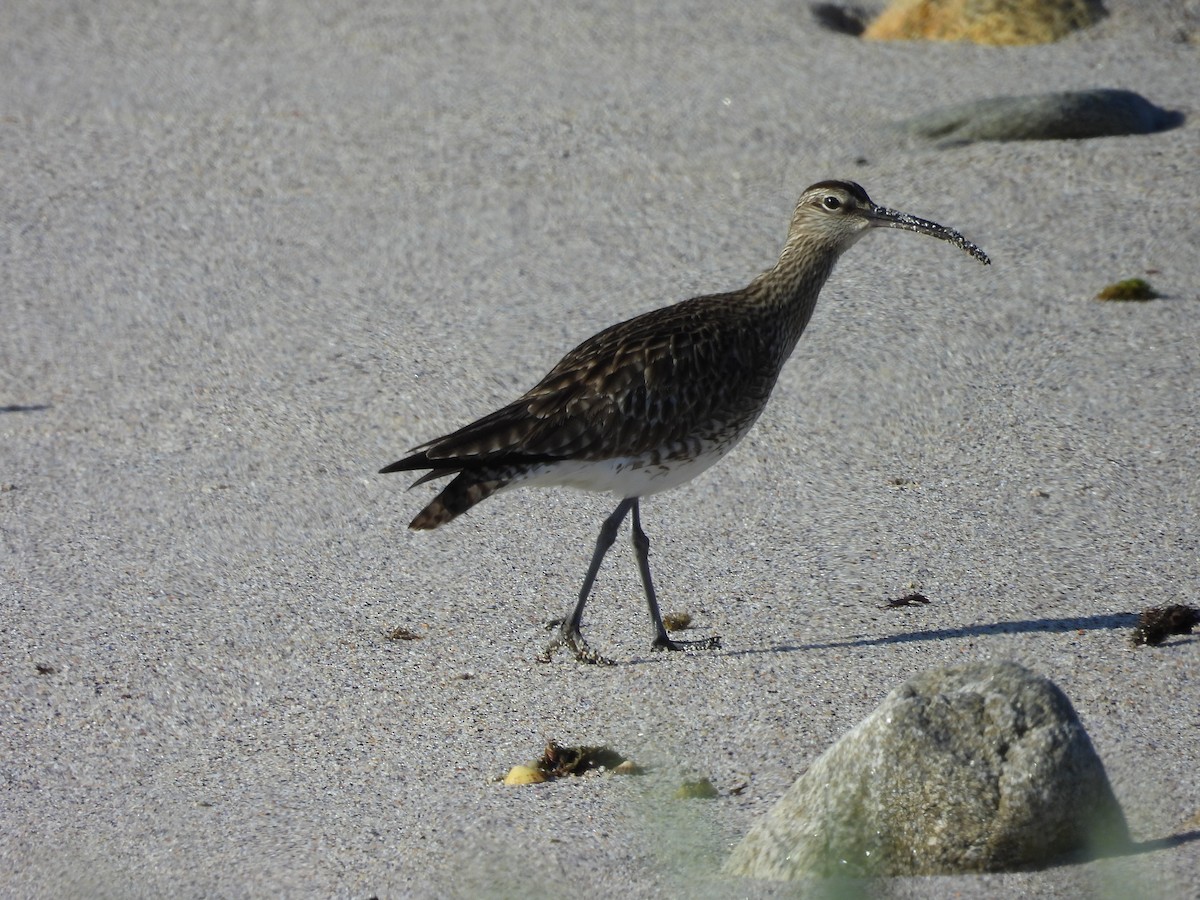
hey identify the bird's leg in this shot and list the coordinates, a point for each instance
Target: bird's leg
(641, 547)
(569, 634)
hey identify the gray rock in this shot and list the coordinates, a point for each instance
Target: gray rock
(982, 767)
(1041, 117)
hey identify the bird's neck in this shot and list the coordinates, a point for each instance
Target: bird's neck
(788, 291)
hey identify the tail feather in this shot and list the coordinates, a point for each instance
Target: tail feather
(467, 489)
(411, 464)
(432, 475)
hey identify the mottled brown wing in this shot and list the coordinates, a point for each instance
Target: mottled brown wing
(631, 388)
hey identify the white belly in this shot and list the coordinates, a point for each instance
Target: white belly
(630, 476)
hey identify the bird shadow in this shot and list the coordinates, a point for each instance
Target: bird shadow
(1108, 622)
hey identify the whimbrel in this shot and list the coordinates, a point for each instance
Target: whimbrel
(652, 402)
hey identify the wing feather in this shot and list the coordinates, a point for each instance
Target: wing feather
(639, 385)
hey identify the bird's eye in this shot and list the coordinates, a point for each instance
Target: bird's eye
(831, 202)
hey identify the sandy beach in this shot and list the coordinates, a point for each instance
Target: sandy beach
(252, 252)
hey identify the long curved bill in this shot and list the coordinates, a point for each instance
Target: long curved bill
(890, 218)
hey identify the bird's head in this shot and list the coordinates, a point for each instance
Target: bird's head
(832, 215)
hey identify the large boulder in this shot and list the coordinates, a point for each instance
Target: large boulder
(981, 767)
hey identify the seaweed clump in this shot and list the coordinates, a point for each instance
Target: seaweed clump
(1158, 623)
(1130, 289)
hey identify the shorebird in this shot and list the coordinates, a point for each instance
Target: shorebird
(652, 402)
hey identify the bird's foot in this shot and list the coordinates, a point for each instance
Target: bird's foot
(572, 639)
(662, 642)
